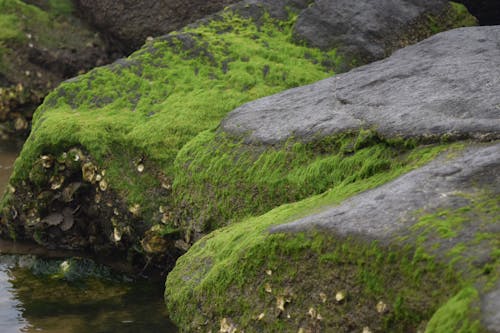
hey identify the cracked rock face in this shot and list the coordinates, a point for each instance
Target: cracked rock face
(445, 86)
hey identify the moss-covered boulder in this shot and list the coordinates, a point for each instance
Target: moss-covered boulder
(419, 253)
(99, 167)
(303, 141)
(41, 43)
(415, 254)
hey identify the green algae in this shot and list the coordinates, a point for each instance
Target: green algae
(229, 258)
(459, 314)
(222, 179)
(148, 106)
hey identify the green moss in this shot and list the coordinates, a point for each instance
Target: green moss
(459, 314)
(222, 180)
(457, 16)
(147, 107)
(217, 266)
(477, 211)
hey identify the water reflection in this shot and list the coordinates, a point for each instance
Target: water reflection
(39, 303)
(33, 303)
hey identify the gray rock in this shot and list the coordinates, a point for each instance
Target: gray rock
(365, 29)
(388, 210)
(490, 305)
(444, 86)
(388, 213)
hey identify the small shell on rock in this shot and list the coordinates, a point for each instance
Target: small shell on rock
(56, 182)
(381, 307)
(20, 124)
(340, 296)
(103, 185)
(47, 161)
(134, 209)
(280, 303)
(140, 167)
(226, 326)
(312, 312)
(88, 172)
(117, 235)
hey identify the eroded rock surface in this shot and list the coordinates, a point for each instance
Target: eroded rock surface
(445, 86)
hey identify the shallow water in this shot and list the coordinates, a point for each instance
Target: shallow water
(33, 302)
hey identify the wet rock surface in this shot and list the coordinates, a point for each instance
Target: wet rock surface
(444, 86)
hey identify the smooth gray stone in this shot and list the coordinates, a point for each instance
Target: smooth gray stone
(445, 86)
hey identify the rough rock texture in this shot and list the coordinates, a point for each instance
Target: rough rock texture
(131, 22)
(491, 309)
(486, 11)
(447, 211)
(97, 172)
(41, 44)
(367, 30)
(386, 212)
(443, 86)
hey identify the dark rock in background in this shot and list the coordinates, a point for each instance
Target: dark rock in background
(130, 22)
(367, 30)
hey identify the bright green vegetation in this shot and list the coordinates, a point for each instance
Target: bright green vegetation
(145, 108)
(479, 212)
(224, 180)
(239, 272)
(457, 315)
(215, 269)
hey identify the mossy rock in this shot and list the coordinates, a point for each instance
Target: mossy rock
(383, 259)
(41, 44)
(132, 118)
